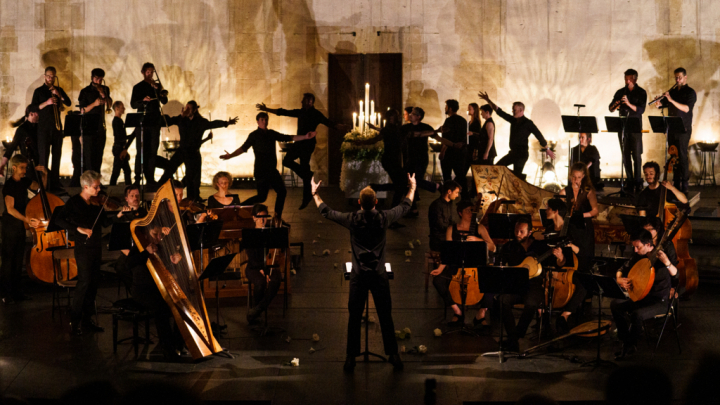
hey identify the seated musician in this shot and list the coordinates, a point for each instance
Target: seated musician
(587, 153)
(556, 210)
(512, 254)
(443, 274)
(653, 304)
(265, 286)
(187, 215)
(15, 195)
(132, 202)
(440, 214)
(222, 182)
(648, 201)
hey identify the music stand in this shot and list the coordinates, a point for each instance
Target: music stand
(463, 254)
(135, 120)
(634, 224)
(199, 236)
(600, 286)
(502, 226)
(500, 280)
(622, 126)
(120, 237)
(578, 124)
(367, 353)
(266, 238)
(215, 269)
(667, 125)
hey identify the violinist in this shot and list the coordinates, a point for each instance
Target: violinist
(192, 212)
(132, 201)
(512, 254)
(555, 212)
(26, 129)
(265, 286)
(648, 200)
(221, 199)
(443, 274)
(94, 100)
(13, 228)
(85, 221)
(653, 304)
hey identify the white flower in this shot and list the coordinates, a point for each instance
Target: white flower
(410, 244)
(422, 349)
(407, 330)
(437, 332)
(326, 252)
(295, 362)
(417, 242)
(337, 251)
(402, 349)
(408, 253)
(316, 337)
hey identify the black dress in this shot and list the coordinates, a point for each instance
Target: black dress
(589, 155)
(214, 203)
(481, 141)
(582, 238)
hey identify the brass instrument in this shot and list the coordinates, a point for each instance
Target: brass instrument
(658, 98)
(56, 107)
(108, 101)
(160, 92)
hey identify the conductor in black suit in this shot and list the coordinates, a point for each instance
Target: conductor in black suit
(367, 237)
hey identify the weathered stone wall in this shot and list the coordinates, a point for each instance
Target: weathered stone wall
(230, 54)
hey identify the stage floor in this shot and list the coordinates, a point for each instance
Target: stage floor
(39, 359)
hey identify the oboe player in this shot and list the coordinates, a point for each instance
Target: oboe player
(630, 101)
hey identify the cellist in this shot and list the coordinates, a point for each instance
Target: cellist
(443, 274)
(13, 227)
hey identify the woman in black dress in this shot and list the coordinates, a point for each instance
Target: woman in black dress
(483, 145)
(581, 187)
(588, 154)
(222, 182)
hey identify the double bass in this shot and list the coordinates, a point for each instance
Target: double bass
(41, 265)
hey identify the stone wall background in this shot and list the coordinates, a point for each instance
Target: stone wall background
(230, 54)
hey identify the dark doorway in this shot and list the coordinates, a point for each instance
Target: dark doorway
(347, 75)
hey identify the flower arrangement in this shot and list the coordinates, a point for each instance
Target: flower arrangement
(354, 152)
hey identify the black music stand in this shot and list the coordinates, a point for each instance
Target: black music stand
(76, 125)
(600, 286)
(623, 126)
(502, 226)
(578, 124)
(667, 125)
(120, 237)
(267, 238)
(140, 120)
(367, 353)
(215, 269)
(500, 280)
(634, 224)
(199, 236)
(463, 254)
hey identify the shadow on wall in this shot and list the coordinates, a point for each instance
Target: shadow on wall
(427, 99)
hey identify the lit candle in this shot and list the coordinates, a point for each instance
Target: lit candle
(361, 110)
(166, 139)
(384, 123)
(372, 109)
(367, 100)
(361, 124)
(377, 118)
(468, 128)
(354, 119)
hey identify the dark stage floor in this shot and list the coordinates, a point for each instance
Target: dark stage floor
(39, 359)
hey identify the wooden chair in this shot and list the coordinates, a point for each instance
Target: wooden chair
(670, 313)
(432, 261)
(61, 281)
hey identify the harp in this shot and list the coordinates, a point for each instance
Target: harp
(173, 270)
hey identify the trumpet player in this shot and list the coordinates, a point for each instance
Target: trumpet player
(680, 101)
(630, 101)
(94, 101)
(49, 99)
(146, 97)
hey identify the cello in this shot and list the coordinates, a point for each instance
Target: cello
(470, 280)
(41, 265)
(687, 267)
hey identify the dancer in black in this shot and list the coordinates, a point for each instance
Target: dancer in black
(26, 129)
(520, 129)
(482, 139)
(416, 161)
(121, 143)
(191, 126)
(94, 100)
(680, 102)
(308, 120)
(630, 101)
(146, 97)
(49, 99)
(588, 154)
(265, 286)
(263, 141)
(368, 227)
(15, 196)
(85, 222)
(628, 314)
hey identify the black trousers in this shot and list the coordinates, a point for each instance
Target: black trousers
(517, 158)
(94, 149)
(531, 299)
(149, 296)
(13, 252)
(682, 170)
(442, 285)
(632, 157)
(193, 169)
(50, 141)
(398, 176)
(263, 291)
(266, 182)
(149, 147)
(118, 165)
(379, 286)
(75, 159)
(629, 315)
(88, 259)
(454, 162)
(417, 165)
(303, 151)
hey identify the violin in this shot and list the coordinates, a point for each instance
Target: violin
(193, 207)
(109, 203)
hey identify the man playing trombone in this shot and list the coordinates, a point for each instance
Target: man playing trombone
(95, 100)
(146, 97)
(48, 99)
